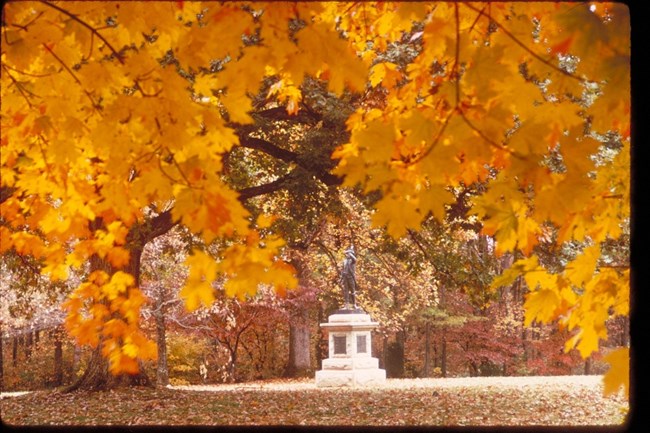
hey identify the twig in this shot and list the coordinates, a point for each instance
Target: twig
(424, 154)
(17, 84)
(457, 59)
(85, 24)
(489, 140)
(522, 45)
(92, 101)
(25, 73)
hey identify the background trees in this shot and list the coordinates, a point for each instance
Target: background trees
(122, 120)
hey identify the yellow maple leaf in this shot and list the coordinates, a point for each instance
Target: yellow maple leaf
(421, 127)
(376, 141)
(618, 374)
(198, 287)
(398, 214)
(581, 269)
(239, 106)
(386, 74)
(540, 305)
(433, 199)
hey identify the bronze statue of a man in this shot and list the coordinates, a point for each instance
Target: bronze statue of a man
(348, 280)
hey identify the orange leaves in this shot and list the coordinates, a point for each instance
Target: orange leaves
(106, 310)
(200, 46)
(398, 214)
(216, 212)
(198, 287)
(506, 216)
(580, 297)
(242, 266)
(287, 93)
(386, 74)
(246, 266)
(343, 67)
(618, 374)
(540, 305)
(464, 98)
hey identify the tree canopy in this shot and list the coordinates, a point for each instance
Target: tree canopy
(121, 119)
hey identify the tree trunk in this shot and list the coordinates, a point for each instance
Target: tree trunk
(427, 350)
(435, 354)
(14, 353)
(319, 346)
(395, 356)
(443, 353)
(162, 371)
(58, 360)
(1, 359)
(299, 346)
(524, 345)
(97, 376)
(76, 355)
(625, 334)
(29, 341)
(232, 365)
(588, 366)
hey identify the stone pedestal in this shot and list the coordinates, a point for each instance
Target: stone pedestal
(349, 362)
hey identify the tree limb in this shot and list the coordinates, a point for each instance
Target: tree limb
(288, 156)
(254, 191)
(86, 25)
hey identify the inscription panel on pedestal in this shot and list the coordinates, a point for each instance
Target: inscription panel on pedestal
(340, 341)
(361, 344)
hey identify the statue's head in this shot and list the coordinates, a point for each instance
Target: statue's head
(350, 252)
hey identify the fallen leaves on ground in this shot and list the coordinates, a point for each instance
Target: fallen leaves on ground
(499, 401)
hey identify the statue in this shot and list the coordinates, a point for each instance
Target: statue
(348, 279)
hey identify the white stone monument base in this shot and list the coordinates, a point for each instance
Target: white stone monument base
(350, 362)
(351, 378)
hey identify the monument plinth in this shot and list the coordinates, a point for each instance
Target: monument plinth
(350, 362)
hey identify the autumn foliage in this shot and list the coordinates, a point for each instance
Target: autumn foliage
(118, 113)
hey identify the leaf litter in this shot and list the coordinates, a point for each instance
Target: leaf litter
(490, 401)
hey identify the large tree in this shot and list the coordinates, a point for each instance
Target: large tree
(117, 118)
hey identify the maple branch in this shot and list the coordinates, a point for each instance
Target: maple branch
(416, 240)
(90, 50)
(85, 24)
(457, 53)
(489, 140)
(167, 175)
(271, 149)
(280, 113)
(26, 73)
(18, 86)
(268, 148)
(254, 191)
(47, 165)
(147, 95)
(428, 150)
(615, 266)
(522, 45)
(24, 26)
(72, 74)
(160, 224)
(6, 192)
(478, 17)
